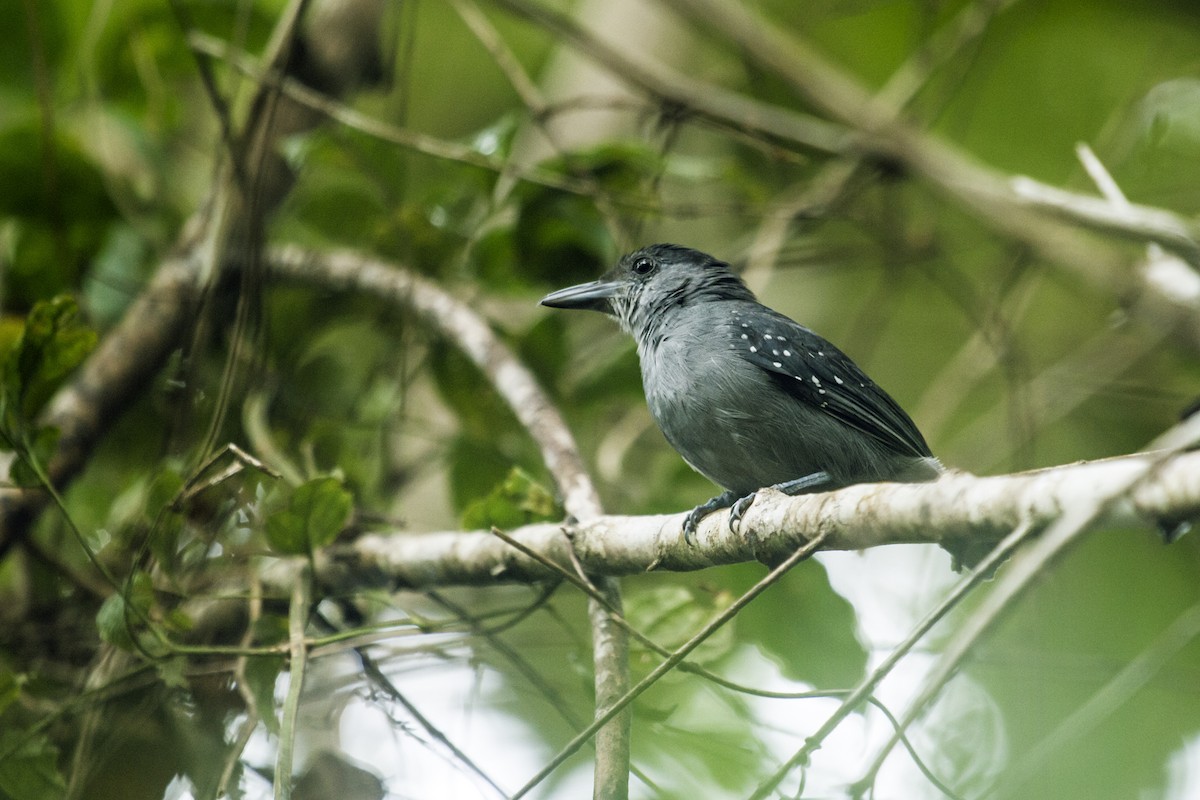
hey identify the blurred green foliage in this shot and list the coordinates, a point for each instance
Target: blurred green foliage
(108, 143)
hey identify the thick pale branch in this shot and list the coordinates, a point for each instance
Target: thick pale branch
(959, 507)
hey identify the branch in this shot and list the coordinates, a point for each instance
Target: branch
(133, 352)
(351, 271)
(878, 128)
(471, 333)
(1048, 219)
(959, 507)
(1114, 495)
(127, 358)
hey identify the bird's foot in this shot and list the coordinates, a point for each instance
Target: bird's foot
(739, 509)
(808, 483)
(739, 504)
(692, 522)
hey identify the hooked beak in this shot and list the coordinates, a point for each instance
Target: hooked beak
(592, 296)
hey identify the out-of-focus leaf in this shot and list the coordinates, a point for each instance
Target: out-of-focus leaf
(518, 500)
(78, 192)
(475, 466)
(163, 490)
(172, 671)
(338, 362)
(561, 238)
(340, 205)
(29, 767)
(326, 507)
(10, 688)
(317, 512)
(261, 674)
(52, 344)
(116, 271)
(115, 616)
(57, 200)
(41, 448)
(805, 627)
(671, 614)
(480, 411)
(543, 348)
(1155, 152)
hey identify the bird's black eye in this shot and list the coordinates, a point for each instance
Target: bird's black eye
(643, 266)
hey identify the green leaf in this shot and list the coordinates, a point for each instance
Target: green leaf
(29, 767)
(317, 512)
(41, 448)
(110, 622)
(476, 466)
(173, 672)
(52, 344)
(671, 614)
(285, 533)
(517, 500)
(10, 688)
(803, 625)
(164, 488)
(261, 675)
(115, 618)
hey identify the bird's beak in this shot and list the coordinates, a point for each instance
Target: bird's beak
(593, 296)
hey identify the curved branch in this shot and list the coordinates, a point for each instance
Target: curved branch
(351, 271)
(471, 333)
(958, 507)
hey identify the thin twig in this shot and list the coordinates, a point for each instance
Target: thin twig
(696, 669)
(554, 699)
(545, 425)
(877, 129)
(1075, 520)
(381, 680)
(298, 612)
(1136, 674)
(868, 686)
(676, 658)
(253, 713)
(345, 115)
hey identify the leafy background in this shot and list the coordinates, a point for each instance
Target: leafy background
(108, 143)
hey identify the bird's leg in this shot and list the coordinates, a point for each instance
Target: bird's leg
(817, 480)
(723, 500)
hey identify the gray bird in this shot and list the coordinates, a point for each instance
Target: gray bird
(747, 396)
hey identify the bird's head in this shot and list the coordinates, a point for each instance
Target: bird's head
(648, 285)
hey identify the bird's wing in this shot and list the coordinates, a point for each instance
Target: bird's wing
(815, 372)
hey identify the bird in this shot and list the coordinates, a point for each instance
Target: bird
(747, 396)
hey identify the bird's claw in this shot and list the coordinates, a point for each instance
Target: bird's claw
(739, 509)
(692, 522)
